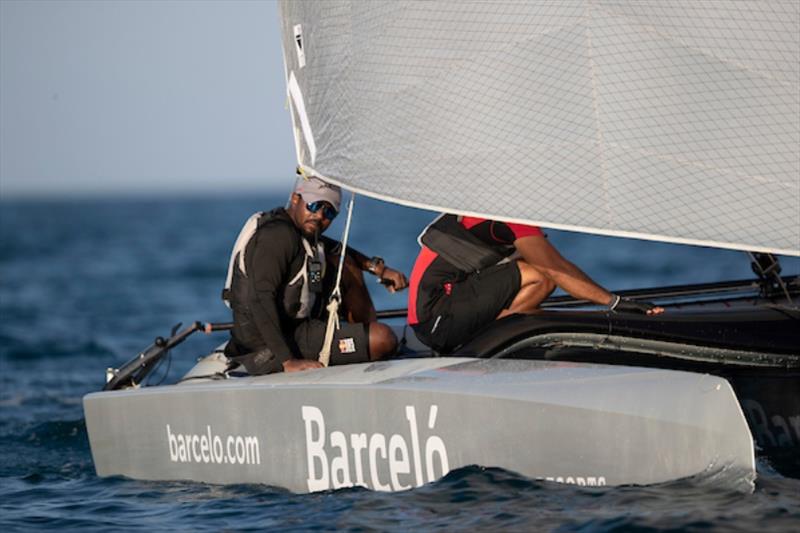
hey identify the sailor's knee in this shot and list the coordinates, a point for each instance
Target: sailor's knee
(530, 275)
(382, 341)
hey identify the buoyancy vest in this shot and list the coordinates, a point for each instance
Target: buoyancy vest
(298, 298)
(458, 246)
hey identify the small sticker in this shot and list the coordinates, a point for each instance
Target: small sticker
(298, 45)
(347, 345)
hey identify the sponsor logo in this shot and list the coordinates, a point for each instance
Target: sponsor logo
(347, 345)
(772, 430)
(213, 449)
(399, 462)
(298, 42)
(591, 481)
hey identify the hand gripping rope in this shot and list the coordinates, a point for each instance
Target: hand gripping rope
(336, 295)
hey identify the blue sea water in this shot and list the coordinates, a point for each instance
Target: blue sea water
(86, 284)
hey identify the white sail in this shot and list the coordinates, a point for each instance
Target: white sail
(670, 120)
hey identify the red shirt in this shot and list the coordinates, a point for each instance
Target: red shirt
(430, 272)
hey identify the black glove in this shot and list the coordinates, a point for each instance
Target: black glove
(626, 305)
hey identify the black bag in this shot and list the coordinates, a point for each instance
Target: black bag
(456, 245)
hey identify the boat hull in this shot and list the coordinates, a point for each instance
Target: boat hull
(752, 344)
(399, 424)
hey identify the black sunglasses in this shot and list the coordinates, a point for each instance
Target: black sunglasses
(327, 209)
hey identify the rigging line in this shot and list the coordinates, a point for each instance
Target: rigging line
(336, 295)
(344, 242)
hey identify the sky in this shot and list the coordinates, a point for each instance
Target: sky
(134, 97)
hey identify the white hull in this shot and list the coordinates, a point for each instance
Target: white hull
(396, 425)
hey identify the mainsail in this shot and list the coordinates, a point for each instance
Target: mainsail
(668, 120)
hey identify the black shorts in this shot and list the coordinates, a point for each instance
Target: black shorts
(471, 305)
(350, 342)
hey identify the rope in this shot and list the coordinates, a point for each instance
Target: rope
(336, 295)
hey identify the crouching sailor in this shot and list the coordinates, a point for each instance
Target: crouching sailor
(280, 276)
(466, 276)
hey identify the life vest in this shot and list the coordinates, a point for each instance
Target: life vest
(298, 298)
(458, 246)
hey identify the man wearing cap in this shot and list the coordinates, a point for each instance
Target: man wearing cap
(282, 272)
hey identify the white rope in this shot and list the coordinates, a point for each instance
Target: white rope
(336, 295)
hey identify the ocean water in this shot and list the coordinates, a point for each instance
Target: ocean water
(86, 284)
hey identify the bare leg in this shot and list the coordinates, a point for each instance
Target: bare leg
(382, 341)
(535, 287)
(358, 307)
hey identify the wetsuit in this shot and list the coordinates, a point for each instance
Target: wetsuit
(449, 303)
(273, 322)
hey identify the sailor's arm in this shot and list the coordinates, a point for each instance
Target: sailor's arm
(393, 279)
(539, 253)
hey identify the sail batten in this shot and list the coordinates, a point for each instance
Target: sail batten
(674, 121)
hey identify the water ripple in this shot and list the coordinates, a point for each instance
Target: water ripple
(87, 284)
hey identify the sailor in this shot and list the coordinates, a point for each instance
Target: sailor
(282, 272)
(472, 271)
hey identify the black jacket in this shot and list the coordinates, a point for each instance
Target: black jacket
(263, 303)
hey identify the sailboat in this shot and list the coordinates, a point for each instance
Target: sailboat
(672, 122)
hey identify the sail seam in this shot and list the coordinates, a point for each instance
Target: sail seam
(643, 152)
(705, 52)
(457, 64)
(699, 165)
(596, 114)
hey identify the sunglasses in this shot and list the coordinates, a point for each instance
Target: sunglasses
(327, 209)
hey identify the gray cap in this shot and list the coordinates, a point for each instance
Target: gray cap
(314, 189)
